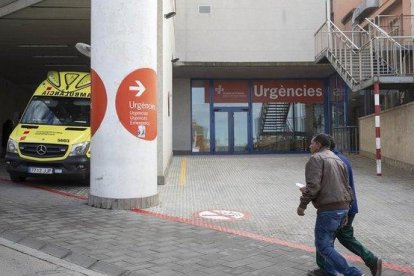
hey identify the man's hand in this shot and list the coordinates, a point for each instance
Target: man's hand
(344, 222)
(300, 211)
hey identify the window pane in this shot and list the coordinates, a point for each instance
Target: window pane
(201, 117)
(285, 126)
(240, 131)
(222, 131)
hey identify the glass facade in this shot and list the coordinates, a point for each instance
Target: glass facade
(248, 116)
(200, 117)
(241, 143)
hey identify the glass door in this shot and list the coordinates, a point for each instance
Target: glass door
(222, 131)
(231, 135)
(240, 135)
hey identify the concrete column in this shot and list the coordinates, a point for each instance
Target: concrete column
(124, 104)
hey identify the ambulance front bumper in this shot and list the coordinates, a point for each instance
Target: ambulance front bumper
(73, 167)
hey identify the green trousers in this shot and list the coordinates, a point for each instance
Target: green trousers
(345, 236)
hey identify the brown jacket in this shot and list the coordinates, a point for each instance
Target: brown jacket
(326, 182)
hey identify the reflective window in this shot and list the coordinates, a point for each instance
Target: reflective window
(240, 131)
(200, 116)
(285, 126)
(222, 131)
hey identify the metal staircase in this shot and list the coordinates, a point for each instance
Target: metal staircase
(274, 119)
(366, 55)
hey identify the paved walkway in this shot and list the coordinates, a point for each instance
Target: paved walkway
(190, 232)
(16, 259)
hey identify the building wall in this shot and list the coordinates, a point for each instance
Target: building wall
(164, 120)
(397, 137)
(239, 31)
(248, 30)
(182, 116)
(168, 38)
(13, 102)
(411, 8)
(342, 8)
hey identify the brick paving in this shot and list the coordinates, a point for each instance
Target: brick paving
(171, 239)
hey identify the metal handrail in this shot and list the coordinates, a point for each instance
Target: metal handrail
(347, 39)
(396, 23)
(339, 49)
(375, 54)
(387, 55)
(381, 31)
(325, 30)
(399, 57)
(364, 35)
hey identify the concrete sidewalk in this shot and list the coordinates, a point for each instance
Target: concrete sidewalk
(219, 215)
(16, 259)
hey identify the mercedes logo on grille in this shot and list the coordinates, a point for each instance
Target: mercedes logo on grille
(41, 150)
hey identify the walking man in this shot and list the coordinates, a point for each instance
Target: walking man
(345, 235)
(328, 189)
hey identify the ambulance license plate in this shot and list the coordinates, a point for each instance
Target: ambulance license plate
(40, 170)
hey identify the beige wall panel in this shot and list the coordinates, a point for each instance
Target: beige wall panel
(367, 134)
(397, 140)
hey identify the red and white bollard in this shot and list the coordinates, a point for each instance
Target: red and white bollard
(377, 127)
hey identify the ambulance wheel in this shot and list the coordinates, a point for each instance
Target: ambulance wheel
(17, 178)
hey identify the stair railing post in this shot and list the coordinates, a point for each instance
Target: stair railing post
(329, 35)
(351, 57)
(400, 49)
(371, 57)
(333, 38)
(360, 64)
(378, 52)
(411, 58)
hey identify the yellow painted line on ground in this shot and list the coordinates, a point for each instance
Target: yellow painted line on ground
(183, 172)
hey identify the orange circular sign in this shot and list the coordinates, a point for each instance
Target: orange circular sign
(98, 101)
(136, 103)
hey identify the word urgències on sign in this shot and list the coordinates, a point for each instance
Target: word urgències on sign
(281, 91)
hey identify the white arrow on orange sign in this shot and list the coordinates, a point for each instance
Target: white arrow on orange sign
(140, 88)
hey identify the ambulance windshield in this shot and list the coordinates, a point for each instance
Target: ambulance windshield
(57, 111)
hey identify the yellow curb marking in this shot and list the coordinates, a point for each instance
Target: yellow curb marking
(183, 172)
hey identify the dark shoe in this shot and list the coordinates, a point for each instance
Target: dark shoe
(316, 272)
(376, 269)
